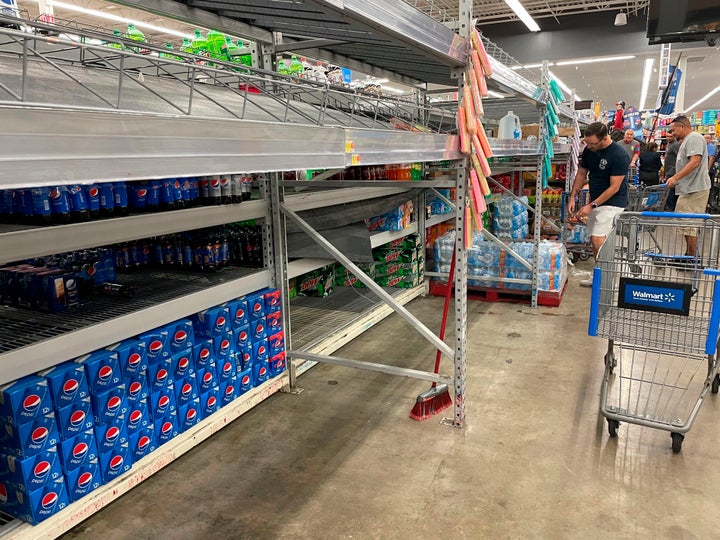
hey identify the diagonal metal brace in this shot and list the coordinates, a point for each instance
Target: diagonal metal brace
(371, 366)
(370, 284)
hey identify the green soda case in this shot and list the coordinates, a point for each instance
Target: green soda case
(318, 283)
(401, 282)
(292, 288)
(408, 242)
(348, 281)
(397, 268)
(386, 255)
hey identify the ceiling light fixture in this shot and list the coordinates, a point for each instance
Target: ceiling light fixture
(621, 19)
(531, 66)
(710, 94)
(645, 82)
(116, 18)
(594, 60)
(563, 85)
(523, 15)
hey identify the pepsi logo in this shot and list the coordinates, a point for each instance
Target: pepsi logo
(180, 337)
(142, 192)
(70, 284)
(257, 307)
(259, 329)
(186, 390)
(205, 183)
(163, 403)
(42, 469)
(80, 450)
(261, 349)
(224, 345)
(77, 418)
(40, 435)
(246, 357)
(134, 360)
(116, 463)
(135, 388)
(214, 182)
(243, 337)
(220, 322)
(93, 192)
(191, 415)
(49, 500)
(183, 365)
(177, 184)
(143, 442)
(246, 380)
(112, 434)
(31, 403)
(135, 417)
(167, 427)
(113, 404)
(262, 372)
(161, 376)
(91, 271)
(211, 402)
(155, 346)
(55, 193)
(84, 480)
(105, 373)
(229, 391)
(207, 378)
(240, 314)
(204, 354)
(227, 368)
(3, 494)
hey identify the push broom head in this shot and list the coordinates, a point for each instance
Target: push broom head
(431, 402)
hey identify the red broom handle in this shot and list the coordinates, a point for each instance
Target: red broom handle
(446, 307)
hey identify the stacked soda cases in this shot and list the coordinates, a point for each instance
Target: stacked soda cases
(81, 424)
(46, 205)
(396, 220)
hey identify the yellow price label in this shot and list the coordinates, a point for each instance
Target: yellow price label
(349, 147)
(355, 159)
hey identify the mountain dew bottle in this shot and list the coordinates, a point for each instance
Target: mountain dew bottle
(245, 59)
(296, 67)
(199, 44)
(282, 68)
(186, 46)
(116, 44)
(167, 54)
(136, 35)
(215, 42)
(228, 48)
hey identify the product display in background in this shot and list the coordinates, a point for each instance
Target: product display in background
(510, 217)
(395, 220)
(83, 423)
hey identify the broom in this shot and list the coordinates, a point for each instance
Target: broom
(437, 399)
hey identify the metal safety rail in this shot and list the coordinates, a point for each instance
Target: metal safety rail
(659, 310)
(50, 64)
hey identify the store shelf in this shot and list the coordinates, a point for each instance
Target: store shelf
(434, 183)
(307, 200)
(378, 239)
(371, 147)
(32, 340)
(69, 517)
(440, 218)
(21, 242)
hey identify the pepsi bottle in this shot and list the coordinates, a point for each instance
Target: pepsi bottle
(78, 204)
(236, 188)
(194, 191)
(107, 200)
(153, 195)
(246, 187)
(167, 194)
(139, 197)
(40, 201)
(92, 194)
(27, 206)
(214, 191)
(5, 206)
(120, 194)
(205, 190)
(178, 192)
(60, 205)
(225, 189)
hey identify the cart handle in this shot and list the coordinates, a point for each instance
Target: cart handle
(675, 215)
(711, 272)
(714, 325)
(595, 302)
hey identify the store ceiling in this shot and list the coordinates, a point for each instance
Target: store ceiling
(606, 81)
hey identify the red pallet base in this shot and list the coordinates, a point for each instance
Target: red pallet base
(489, 294)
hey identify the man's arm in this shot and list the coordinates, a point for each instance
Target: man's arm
(692, 164)
(711, 159)
(579, 181)
(636, 155)
(615, 183)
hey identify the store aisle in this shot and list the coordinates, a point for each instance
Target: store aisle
(343, 460)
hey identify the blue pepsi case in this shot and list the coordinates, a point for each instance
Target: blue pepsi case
(78, 451)
(166, 428)
(92, 195)
(60, 204)
(138, 416)
(245, 381)
(276, 364)
(132, 357)
(182, 365)
(74, 419)
(159, 375)
(162, 402)
(31, 437)
(142, 442)
(138, 197)
(115, 462)
(225, 369)
(25, 400)
(276, 343)
(137, 388)
(241, 338)
(109, 435)
(238, 310)
(260, 351)
(256, 306)
(31, 473)
(211, 322)
(228, 390)
(203, 354)
(102, 370)
(257, 328)
(107, 199)
(188, 415)
(186, 390)
(244, 357)
(224, 346)
(78, 203)
(109, 404)
(41, 211)
(273, 300)
(210, 402)
(120, 195)
(153, 195)
(67, 383)
(83, 480)
(206, 379)
(38, 505)
(157, 346)
(260, 372)
(181, 335)
(274, 322)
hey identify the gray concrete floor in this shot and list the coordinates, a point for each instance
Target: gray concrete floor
(343, 460)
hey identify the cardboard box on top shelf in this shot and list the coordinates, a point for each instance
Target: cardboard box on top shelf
(530, 129)
(566, 131)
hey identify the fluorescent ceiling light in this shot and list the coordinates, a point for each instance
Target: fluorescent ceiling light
(645, 82)
(563, 85)
(531, 66)
(593, 60)
(702, 99)
(116, 18)
(494, 94)
(523, 15)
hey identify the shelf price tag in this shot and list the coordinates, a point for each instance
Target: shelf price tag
(355, 160)
(349, 147)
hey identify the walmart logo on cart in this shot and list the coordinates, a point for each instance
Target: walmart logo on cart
(668, 298)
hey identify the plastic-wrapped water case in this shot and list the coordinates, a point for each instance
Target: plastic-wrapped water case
(501, 222)
(515, 234)
(476, 274)
(443, 249)
(552, 281)
(577, 234)
(510, 206)
(484, 254)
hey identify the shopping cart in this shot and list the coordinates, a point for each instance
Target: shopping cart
(574, 233)
(661, 320)
(642, 198)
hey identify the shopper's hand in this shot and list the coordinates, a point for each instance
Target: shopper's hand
(671, 181)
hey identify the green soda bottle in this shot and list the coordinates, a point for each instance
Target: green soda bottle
(116, 44)
(282, 68)
(169, 47)
(186, 46)
(228, 48)
(215, 42)
(296, 67)
(199, 44)
(245, 59)
(136, 35)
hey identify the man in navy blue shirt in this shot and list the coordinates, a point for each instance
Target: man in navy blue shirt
(603, 165)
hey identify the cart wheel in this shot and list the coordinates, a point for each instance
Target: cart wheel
(613, 426)
(715, 384)
(584, 256)
(677, 440)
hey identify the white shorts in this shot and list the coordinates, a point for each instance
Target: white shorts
(602, 219)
